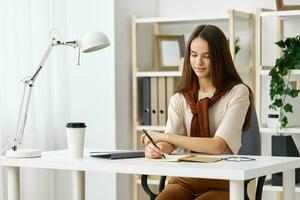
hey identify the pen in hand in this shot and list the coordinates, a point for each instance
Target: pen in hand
(151, 140)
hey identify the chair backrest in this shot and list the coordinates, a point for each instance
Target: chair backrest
(251, 139)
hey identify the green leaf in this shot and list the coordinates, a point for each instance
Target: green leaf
(294, 93)
(285, 69)
(283, 122)
(288, 43)
(273, 72)
(279, 62)
(280, 43)
(298, 53)
(288, 108)
(278, 103)
(272, 94)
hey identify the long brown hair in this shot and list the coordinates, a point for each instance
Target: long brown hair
(223, 71)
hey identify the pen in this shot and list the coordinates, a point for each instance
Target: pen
(151, 140)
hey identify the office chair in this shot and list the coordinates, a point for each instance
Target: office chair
(251, 145)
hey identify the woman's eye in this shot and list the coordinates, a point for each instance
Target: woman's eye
(206, 56)
(193, 55)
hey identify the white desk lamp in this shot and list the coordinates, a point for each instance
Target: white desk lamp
(89, 43)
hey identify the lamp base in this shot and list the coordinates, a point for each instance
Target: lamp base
(23, 153)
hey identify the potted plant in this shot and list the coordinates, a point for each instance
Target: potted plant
(280, 89)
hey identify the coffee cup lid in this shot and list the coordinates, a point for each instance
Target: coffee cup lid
(76, 125)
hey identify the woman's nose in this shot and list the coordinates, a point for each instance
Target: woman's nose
(199, 60)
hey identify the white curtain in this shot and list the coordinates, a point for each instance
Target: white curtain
(24, 37)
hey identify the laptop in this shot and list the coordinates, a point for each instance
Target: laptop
(118, 154)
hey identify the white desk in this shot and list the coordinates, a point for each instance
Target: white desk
(236, 172)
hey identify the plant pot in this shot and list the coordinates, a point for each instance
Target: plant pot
(284, 146)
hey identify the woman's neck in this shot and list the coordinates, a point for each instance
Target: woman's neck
(206, 85)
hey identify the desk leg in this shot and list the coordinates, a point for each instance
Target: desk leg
(13, 183)
(236, 190)
(289, 185)
(79, 185)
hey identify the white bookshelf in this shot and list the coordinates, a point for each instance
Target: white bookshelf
(265, 70)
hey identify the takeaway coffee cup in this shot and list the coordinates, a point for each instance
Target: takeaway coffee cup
(75, 139)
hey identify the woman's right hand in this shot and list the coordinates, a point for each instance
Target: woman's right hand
(153, 152)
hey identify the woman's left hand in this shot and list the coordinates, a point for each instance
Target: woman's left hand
(156, 136)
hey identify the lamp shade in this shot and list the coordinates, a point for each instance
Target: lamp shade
(94, 41)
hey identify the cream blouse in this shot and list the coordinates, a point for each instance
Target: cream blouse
(226, 117)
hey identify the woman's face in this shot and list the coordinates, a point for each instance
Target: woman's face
(200, 58)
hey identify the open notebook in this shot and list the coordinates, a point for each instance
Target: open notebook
(118, 154)
(188, 158)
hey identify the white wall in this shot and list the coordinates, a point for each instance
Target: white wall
(101, 88)
(92, 86)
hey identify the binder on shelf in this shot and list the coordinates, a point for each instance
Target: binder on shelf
(162, 101)
(146, 101)
(153, 101)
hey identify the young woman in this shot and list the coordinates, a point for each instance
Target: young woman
(207, 114)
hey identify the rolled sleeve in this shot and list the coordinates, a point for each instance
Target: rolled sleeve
(231, 126)
(175, 122)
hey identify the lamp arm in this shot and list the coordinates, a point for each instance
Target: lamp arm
(53, 42)
(28, 85)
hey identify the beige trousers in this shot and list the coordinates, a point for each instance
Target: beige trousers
(195, 189)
